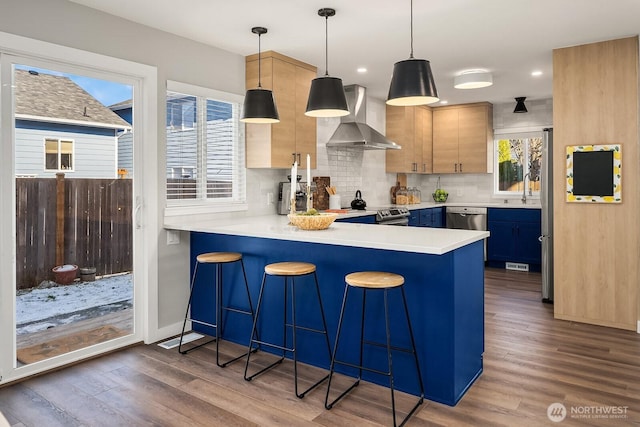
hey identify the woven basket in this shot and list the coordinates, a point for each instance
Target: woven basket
(313, 222)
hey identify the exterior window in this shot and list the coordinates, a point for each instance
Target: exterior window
(205, 147)
(518, 161)
(58, 154)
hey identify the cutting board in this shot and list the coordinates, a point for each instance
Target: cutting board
(320, 196)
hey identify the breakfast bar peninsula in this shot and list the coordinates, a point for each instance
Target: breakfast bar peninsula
(444, 284)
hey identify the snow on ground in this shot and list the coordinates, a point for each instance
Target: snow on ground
(44, 307)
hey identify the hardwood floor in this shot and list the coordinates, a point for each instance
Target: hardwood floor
(530, 362)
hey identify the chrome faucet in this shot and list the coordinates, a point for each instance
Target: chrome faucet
(524, 187)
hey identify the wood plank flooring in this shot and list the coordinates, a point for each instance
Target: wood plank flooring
(530, 361)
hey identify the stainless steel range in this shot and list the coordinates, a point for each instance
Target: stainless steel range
(393, 216)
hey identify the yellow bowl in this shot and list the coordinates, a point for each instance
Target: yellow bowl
(321, 221)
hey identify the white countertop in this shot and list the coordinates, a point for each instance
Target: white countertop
(436, 241)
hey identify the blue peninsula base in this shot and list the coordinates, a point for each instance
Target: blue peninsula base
(445, 295)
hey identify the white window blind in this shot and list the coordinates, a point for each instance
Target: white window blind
(205, 147)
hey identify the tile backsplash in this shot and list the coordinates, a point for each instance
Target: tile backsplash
(354, 169)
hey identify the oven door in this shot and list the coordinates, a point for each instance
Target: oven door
(396, 221)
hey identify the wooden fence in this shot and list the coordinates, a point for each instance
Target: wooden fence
(97, 216)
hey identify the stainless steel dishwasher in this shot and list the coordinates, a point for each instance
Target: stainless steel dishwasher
(468, 218)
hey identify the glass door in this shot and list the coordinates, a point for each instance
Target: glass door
(72, 185)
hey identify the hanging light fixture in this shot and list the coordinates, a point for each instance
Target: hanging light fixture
(259, 105)
(520, 107)
(326, 96)
(412, 82)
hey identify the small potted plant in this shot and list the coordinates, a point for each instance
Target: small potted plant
(65, 274)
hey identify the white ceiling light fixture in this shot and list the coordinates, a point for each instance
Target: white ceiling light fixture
(473, 79)
(536, 73)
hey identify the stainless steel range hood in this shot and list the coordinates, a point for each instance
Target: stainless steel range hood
(353, 130)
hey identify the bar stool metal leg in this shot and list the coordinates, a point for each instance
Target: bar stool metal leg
(186, 317)
(289, 287)
(388, 347)
(219, 308)
(256, 339)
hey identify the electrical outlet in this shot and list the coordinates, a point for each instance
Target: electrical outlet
(269, 198)
(459, 192)
(173, 237)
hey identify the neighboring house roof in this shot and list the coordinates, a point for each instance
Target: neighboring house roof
(127, 103)
(50, 98)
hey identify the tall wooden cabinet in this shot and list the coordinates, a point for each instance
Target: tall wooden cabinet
(274, 145)
(410, 127)
(463, 138)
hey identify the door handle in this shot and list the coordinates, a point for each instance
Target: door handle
(460, 167)
(136, 213)
(455, 167)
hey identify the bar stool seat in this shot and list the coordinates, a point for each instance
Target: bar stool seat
(290, 271)
(218, 259)
(374, 281)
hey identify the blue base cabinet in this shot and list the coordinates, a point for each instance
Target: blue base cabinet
(445, 297)
(367, 219)
(514, 237)
(429, 217)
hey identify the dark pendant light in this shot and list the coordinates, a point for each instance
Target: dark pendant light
(520, 107)
(259, 105)
(412, 82)
(326, 96)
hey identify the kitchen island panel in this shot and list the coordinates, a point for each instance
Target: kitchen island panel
(444, 295)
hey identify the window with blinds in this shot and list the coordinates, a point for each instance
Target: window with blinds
(205, 147)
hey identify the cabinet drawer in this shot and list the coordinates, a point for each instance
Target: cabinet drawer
(513, 214)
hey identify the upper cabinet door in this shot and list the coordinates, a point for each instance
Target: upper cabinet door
(400, 124)
(475, 136)
(445, 140)
(463, 138)
(275, 145)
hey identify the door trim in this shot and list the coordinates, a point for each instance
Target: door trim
(144, 80)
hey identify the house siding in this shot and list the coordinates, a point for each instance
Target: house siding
(94, 155)
(125, 153)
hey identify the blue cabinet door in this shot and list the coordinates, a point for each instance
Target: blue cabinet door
(514, 235)
(529, 246)
(438, 218)
(367, 219)
(414, 218)
(432, 217)
(501, 241)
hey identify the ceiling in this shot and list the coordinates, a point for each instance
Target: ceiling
(509, 38)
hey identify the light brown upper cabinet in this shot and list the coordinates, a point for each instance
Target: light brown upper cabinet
(274, 145)
(410, 127)
(463, 138)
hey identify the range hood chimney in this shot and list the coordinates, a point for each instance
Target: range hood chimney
(353, 130)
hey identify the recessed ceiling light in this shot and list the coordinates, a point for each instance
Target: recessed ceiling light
(536, 73)
(444, 101)
(362, 70)
(473, 79)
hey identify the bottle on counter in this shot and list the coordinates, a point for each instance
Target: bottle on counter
(417, 195)
(402, 196)
(393, 191)
(410, 196)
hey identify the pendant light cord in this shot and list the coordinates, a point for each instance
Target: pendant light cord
(326, 45)
(259, 62)
(411, 54)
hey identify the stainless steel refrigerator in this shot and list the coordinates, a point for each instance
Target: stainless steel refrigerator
(546, 201)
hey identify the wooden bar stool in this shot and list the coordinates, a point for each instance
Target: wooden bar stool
(375, 281)
(219, 259)
(288, 270)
